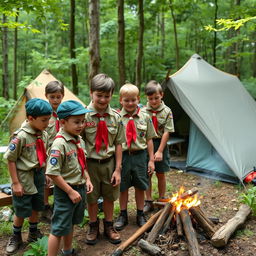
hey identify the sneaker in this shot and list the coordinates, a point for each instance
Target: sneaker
(121, 222)
(141, 220)
(93, 233)
(111, 234)
(73, 253)
(13, 244)
(148, 206)
(33, 236)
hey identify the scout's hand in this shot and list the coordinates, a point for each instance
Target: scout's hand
(158, 156)
(116, 178)
(48, 181)
(89, 186)
(151, 167)
(17, 189)
(74, 196)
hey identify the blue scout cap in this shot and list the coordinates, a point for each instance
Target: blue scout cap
(38, 107)
(71, 108)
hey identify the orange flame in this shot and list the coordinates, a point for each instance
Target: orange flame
(187, 203)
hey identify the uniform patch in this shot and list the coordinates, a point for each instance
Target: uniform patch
(12, 146)
(15, 140)
(55, 153)
(142, 134)
(53, 161)
(90, 124)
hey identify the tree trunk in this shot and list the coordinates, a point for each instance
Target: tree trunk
(15, 47)
(162, 34)
(94, 42)
(254, 59)
(140, 44)
(175, 36)
(121, 42)
(215, 33)
(5, 76)
(73, 47)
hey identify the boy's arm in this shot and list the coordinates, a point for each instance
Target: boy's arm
(116, 177)
(151, 164)
(89, 186)
(16, 185)
(159, 153)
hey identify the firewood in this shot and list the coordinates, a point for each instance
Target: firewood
(178, 225)
(210, 222)
(221, 236)
(149, 248)
(193, 245)
(168, 221)
(201, 220)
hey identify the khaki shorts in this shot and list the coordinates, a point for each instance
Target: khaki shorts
(100, 174)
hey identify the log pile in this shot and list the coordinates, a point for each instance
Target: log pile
(177, 220)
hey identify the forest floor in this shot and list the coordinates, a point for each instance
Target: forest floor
(217, 200)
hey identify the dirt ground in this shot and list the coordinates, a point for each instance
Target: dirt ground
(217, 200)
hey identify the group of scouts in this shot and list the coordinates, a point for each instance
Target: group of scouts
(122, 149)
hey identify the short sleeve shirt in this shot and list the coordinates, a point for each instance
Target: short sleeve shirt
(144, 130)
(115, 133)
(164, 118)
(22, 151)
(63, 160)
(51, 129)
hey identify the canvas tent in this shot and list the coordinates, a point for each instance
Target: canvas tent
(222, 137)
(34, 90)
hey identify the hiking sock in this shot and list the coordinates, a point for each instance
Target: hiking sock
(140, 212)
(17, 230)
(124, 213)
(67, 252)
(33, 227)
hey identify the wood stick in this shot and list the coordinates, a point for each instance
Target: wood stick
(168, 221)
(193, 245)
(221, 237)
(137, 234)
(205, 216)
(178, 224)
(201, 220)
(149, 248)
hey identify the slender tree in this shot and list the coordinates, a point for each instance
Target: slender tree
(15, 47)
(94, 42)
(215, 33)
(140, 44)
(162, 33)
(121, 42)
(5, 92)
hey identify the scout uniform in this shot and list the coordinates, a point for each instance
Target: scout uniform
(100, 158)
(64, 160)
(163, 122)
(134, 162)
(53, 128)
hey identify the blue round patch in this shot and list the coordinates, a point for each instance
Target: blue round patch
(142, 134)
(53, 161)
(12, 147)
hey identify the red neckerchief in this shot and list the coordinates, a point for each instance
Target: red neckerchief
(154, 119)
(102, 132)
(40, 150)
(57, 122)
(80, 153)
(131, 134)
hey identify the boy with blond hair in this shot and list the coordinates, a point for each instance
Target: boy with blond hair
(163, 123)
(139, 132)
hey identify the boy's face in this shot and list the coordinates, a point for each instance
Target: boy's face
(100, 100)
(155, 99)
(54, 99)
(130, 102)
(39, 123)
(74, 124)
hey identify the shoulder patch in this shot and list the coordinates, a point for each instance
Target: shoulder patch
(12, 147)
(15, 140)
(55, 153)
(53, 161)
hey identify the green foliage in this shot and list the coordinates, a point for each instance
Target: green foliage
(38, 248)
(6, 228)
(249, 198)
(245, 232)
(249, 84)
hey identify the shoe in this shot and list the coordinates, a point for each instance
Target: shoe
(111, 234)
(148, 206)
(13, 244)
(121, 222)
(93, 233)
(141, 220)
(73, 253)
(46, 214)
(33, 236)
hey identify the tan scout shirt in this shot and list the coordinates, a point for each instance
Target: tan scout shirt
(144, 129)
(51, 129)
(115, 133)
(22, 150)
(164, 118)
(63, 161)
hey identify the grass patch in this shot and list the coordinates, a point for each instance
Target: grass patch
(244, 233)
(6, 228)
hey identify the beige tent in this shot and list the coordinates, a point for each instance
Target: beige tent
(35, 90)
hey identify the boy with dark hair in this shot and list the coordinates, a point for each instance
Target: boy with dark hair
(163, 123)
(66, 166)
(26, 157)
(103, 134)
(135, 168)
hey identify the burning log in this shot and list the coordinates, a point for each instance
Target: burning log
(202, 221)
(221, 237)
(210, 222)
(119, 251)
(178, 224)
(193, 246)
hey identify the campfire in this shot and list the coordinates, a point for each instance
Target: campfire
(181, 216)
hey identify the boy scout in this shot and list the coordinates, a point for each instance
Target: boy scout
(139, 133)
(66, 166)
(163, 123)
(103, 135)
(26, 157)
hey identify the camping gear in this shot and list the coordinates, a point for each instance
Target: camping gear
(222, 117)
